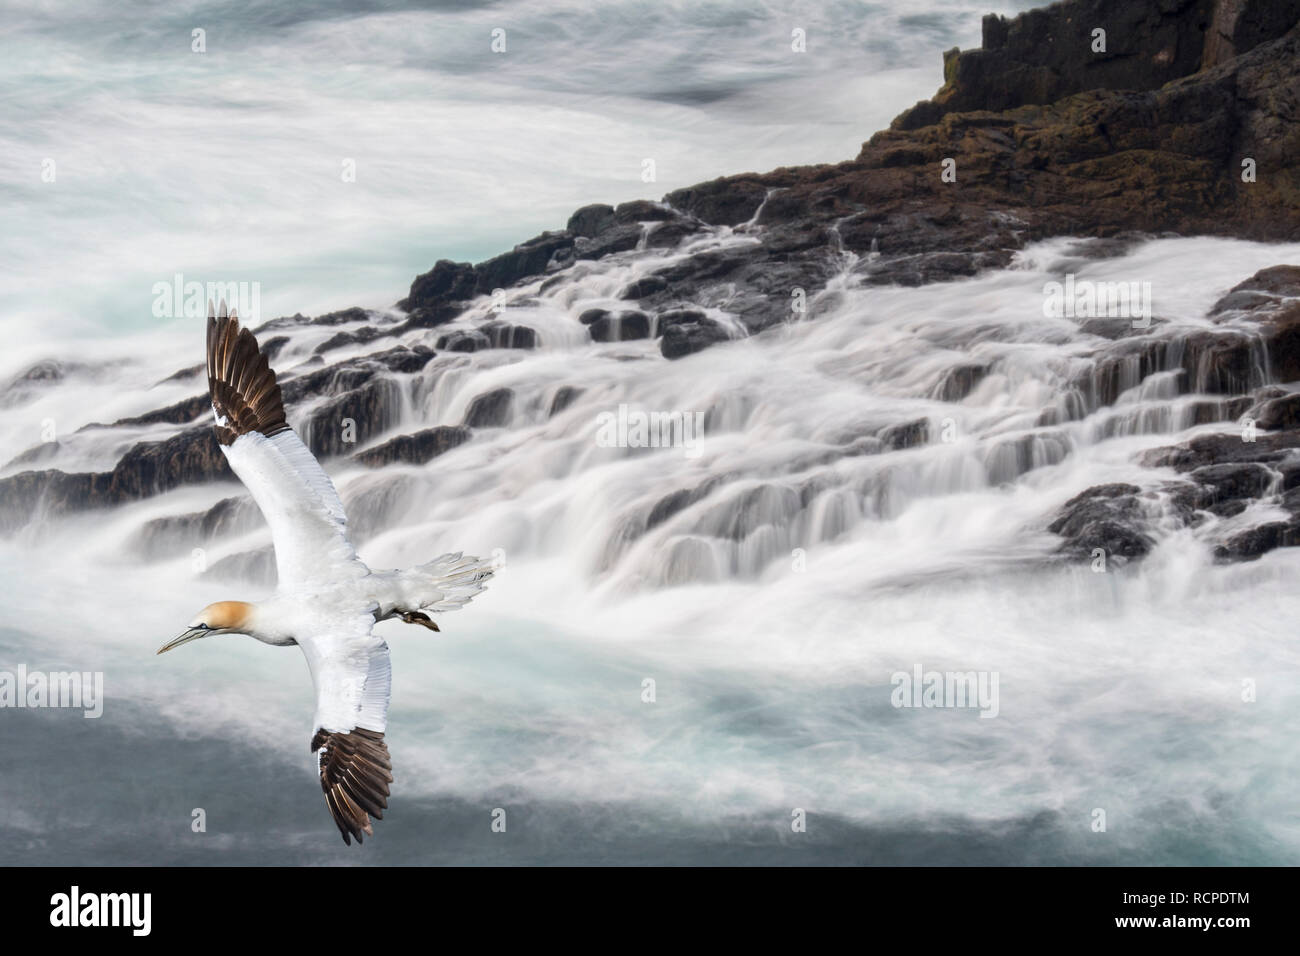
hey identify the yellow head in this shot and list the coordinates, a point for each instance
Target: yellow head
(224, 617)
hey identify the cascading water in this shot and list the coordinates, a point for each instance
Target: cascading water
(870, 493)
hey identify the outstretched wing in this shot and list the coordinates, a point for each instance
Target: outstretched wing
(297, 498)
(353, 677)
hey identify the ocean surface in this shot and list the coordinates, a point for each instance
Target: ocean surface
(771, 615)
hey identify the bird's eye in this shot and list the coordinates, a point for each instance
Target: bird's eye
(204, 627)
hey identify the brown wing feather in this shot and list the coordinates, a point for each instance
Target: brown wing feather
(240, 379)
(354, 774)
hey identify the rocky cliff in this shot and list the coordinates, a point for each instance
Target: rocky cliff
(1185, 123)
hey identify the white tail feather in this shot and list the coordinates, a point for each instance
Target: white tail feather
(445, 583)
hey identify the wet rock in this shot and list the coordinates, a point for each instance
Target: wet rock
(678, 501)
(906, 435)
(1281, 412)
(644, 287)
(505, 335)
(35, 455)
(643, 210)
(176, 534)
(524, 261)
(668, 235)
(564, 396)
(620, 238)
(1118, 328)
(336, 426)
(181, 413)
(960, 381)
(24, 386)
(359, 337)
(1254, 542)
(354, 314)
(1104, 517)
(620, 327)
(590, 221)
(32, 494)
(1206, 450)
(1271, 283)
(491, 409)
(445, 283)
(721, 202)
(463, 340)
(686, 331)
(415, 449)
(1230, 482)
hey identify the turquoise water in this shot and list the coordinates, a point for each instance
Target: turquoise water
(772, 687)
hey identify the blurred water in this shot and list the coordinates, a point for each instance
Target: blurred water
(770, 614)
(228, 164)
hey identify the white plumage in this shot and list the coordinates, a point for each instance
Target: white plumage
(327, 601)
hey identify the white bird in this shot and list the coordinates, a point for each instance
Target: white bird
(327, 600)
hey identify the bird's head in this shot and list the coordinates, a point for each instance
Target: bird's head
(224, 617)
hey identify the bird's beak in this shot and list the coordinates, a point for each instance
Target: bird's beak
(189, 634)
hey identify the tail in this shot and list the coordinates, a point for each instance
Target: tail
(442, 584)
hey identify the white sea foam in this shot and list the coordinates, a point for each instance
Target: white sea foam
(1120, 691)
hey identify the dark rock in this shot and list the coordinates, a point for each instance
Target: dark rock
(564, 396)
(335, 426)
(463, 340)
(620, 238)
(591, 221)
(685, 331)
(446, 282)
(402, 360)
(359, 337)
(181, 413)
(1274, 281)
(643, 210)
(680, 500)
(1252, 543)
(907, 435)
(1114, 329)
(354, 314)
(721, 202)
(667, 235)
(430, 316)
(1281, 412)
(415, 449)
(622, 327)
(504, 335)
(491, 409)
(1231, 482)
(1043, 55)
(676, 316)
(960, 380)
(1105, 517)
(644, 287)
(1206, 450)
(524, 261)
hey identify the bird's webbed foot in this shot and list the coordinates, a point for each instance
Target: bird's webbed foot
(420, 618)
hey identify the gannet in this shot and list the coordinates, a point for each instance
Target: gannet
(327, 601)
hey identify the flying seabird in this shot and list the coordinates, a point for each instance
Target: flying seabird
(327, 600)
